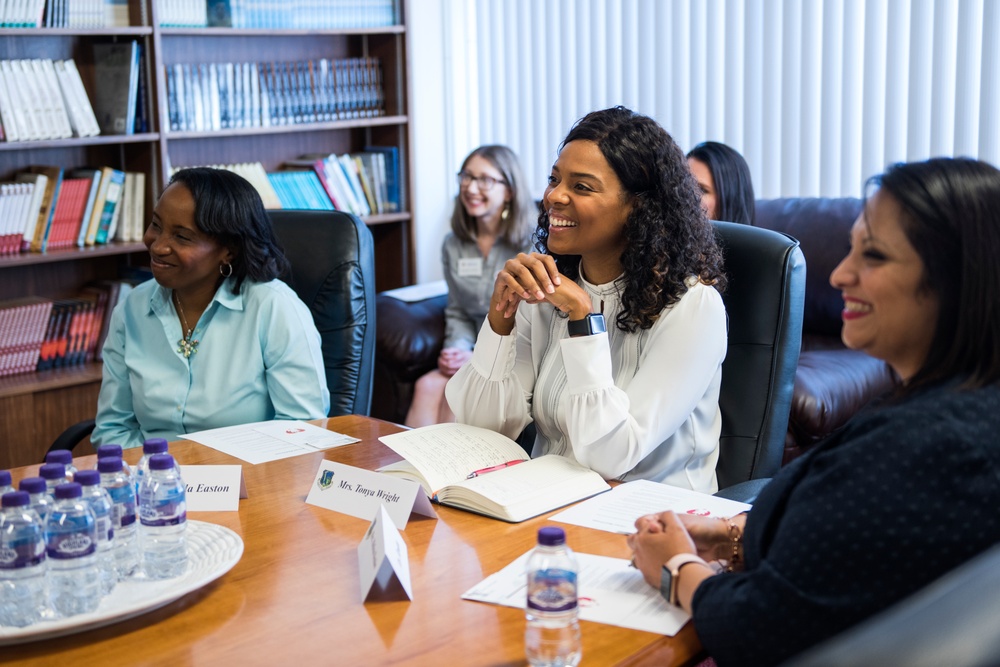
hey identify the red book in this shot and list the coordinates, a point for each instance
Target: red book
(68, 214)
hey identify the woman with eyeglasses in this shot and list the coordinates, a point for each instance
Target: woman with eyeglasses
(611, 338)
(492, 221)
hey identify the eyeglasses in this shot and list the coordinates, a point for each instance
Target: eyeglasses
(485, 183)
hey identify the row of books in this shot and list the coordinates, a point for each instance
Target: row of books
(362, 183)
(47, 207)
(39, 334)
(277, 14)
(214, 96)
(86, 14)
(45, 99)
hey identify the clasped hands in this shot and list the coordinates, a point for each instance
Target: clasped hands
(533, 278)
(659, 537)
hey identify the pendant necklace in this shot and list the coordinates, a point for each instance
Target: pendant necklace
(185, 345)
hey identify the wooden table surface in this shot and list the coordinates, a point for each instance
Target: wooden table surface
(294, 598)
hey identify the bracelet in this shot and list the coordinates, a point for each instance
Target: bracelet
(736, 539)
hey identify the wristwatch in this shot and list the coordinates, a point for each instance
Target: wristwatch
(668, 576)
(592, 324)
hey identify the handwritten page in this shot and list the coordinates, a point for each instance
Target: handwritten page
(610, 592)
(447, 453)
(617, 511)
(260, 442)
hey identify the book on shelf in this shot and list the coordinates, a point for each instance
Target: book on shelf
(106, 205)
(16, 210)
(94, 176)
(390, 166)
(482, 471)
(22, 328)
(116, 84)
(43, 227)
(81, 112)
(68, 214)
(34, 215)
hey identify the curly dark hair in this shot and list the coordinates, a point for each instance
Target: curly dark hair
(667, 236)
(229, 209)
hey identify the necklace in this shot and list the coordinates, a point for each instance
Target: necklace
(185, 345)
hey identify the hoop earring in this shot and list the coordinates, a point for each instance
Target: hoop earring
(226, 274)
(505, 213)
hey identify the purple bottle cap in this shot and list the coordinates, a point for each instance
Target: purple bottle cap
(15, 499)
(109, 450)
(161, 462)
(52, 471)
(551, 536)
(87, 477)
(32, 485)
(69, 490)
(63, 456)
(154, 446)
(4, 478)
(109, 464)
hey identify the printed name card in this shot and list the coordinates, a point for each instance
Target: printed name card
(359, 492)
(382, 556)
(214, 488)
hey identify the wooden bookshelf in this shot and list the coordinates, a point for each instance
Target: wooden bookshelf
(36, 407)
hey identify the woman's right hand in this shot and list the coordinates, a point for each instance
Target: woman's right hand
(524, 278)
(711, 534)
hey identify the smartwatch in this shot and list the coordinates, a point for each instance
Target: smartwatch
(588, 326)
(668, 575)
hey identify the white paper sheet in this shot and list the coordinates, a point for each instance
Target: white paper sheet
(418, 292)
(610, 592)
(617, 510)
(260, 442)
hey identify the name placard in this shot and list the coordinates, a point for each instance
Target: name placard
(359, 492)
(214, 488)
(382, 555)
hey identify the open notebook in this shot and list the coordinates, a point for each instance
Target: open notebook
(441, 458)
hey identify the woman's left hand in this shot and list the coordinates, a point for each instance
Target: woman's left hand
(658, 537)
(451, 359)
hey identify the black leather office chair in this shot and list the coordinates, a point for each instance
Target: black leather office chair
(952, 621)
(764, 302)
(332, 257)
(333, 271)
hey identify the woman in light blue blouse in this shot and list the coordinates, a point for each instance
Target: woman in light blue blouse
(492, 221)
(215, 340)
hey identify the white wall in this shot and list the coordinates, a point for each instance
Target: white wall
(432, 181)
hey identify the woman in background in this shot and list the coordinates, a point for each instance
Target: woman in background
(908, 489)
(724, 178)
(611, 339)
(491, 222)
(214, 339)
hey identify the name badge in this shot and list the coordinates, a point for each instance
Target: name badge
(470, 267)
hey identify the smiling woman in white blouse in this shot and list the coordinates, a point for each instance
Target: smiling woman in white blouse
(610, 338)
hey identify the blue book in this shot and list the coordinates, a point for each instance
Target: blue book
(393, 201)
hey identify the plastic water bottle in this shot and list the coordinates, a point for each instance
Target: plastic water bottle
(104, 451)
(22, 561)
(149, 447)
(100, 501)
(163, 519)
(65, 457)
(54, 474)
(123, 513)
(71, 548)
(552, 634)
(38, 493)
(5, 482)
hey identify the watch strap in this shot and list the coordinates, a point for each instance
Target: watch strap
(671, 570)
(591, 324)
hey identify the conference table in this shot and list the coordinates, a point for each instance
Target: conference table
(294, 598)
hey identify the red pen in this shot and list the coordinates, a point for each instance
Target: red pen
(477, 473)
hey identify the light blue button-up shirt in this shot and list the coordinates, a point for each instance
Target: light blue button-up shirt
(258, 358)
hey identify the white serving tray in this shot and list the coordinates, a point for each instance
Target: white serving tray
(212, 551)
